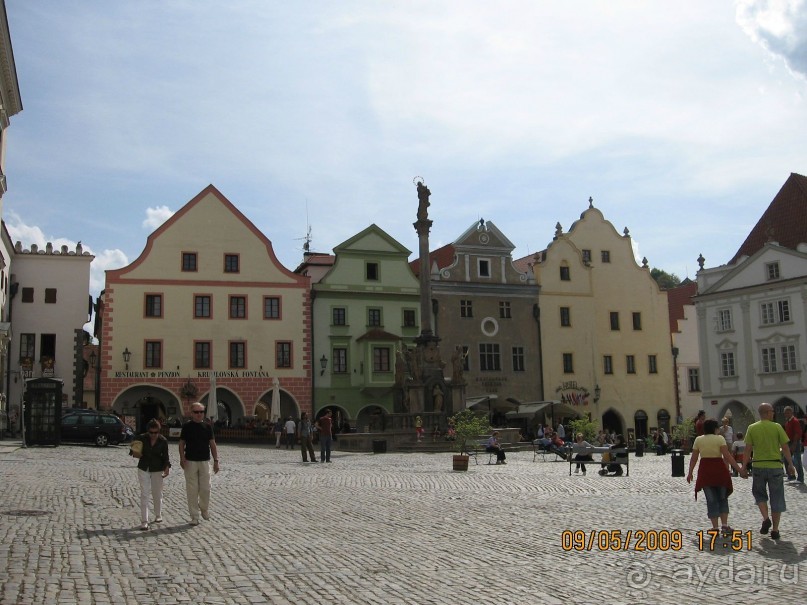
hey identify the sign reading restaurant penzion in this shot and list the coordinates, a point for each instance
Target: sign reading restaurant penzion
(199, 374)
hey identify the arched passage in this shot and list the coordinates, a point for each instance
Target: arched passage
(229, 408)
(140, 403)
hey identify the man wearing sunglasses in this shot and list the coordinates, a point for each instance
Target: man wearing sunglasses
(196, 443)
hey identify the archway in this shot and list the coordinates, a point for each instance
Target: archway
(663, 420)
(640, 424)
(740, 416)
(341, 419)
(779, 409)
(612, 423)
(229, 410)
(288, 406)
(140, 403)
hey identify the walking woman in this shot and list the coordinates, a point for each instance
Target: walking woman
(153, 466)
(713, 475)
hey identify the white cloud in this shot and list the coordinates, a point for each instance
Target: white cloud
(108, 259)
(156, 217)
(779, 26)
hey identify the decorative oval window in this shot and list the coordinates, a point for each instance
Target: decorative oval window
(490, 327)
(484, 238)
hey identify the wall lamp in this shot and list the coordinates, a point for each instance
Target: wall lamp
(93, 359)
(597, 393)
(127, 355)
(323, 363)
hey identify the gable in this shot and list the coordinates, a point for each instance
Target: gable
(754, 270)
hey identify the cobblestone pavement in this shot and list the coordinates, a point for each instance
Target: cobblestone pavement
(376, 529)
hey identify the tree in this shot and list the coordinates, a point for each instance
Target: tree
(665, 280)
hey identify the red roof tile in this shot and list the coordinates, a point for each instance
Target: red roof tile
(444, 257)
(677, 298)
(785, 220)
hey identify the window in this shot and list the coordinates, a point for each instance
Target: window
(409, 318)
(565, 317)
(694, 378)
(231, 263)
(724, 320)
(381, 359)
(27, 348)
(637, 320)
(271, 307)
(189, 261)
(154, 305)
(587, 256)
(201, 305)
(50, 295)
(339, 360)
(374, 317)
(466, 308)
(605, 256)
(339, 316)
(484, 267)
(614, 315)
(238, 355)
(154, 354)
(652, 364)
(568, 363)
(769, 360)
(371, 271)
(504, 309)
(607, 364)
(283, 354)
(727, 365)
(489, 357)
(238, 307)
(630, 364)
(564, 274)
(518, 359)
(201, 355)
(775, 312)
(772, 270)
(778, 359)
(27, 295)
(47, 346)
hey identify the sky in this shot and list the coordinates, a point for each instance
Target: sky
(682, 120)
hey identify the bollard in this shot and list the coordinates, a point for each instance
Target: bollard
(677, 459)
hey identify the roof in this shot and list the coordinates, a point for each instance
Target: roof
(444, 257)
(785, 220)
(677, 299)
(525, 263)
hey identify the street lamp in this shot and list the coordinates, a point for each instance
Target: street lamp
(127, 355)
(597, 393)
(323, 363)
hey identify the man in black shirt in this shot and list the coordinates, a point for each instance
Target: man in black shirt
(196, 443)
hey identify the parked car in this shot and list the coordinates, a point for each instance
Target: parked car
(101, 429)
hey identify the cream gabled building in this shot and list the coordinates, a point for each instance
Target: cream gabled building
(206, 297)
(605, 336)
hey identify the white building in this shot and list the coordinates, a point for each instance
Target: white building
(752, 316)
(50, 303)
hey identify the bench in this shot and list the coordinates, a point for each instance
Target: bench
(480, 447)
(617, 456)
(546, 450)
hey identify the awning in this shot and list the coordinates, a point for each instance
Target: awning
(489, 403)
(530, 409)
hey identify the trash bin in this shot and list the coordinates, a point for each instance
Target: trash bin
(639, 448)
(677, 458)
(379, 446)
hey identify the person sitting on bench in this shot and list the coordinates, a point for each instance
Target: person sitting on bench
(616, 469)
(493, 447)
(558, 446)
(582, 443)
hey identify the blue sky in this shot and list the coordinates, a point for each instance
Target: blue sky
(682, 120)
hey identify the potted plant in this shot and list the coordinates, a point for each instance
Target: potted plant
(468, 425)
(682, 434)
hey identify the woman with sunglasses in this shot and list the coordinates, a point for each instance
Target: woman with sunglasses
(153, 466)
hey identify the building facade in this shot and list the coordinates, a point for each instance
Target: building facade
(206, 306)
(605, 332)
(483, 304)
(49, 307)
(752, 316)
(686, 349)
(365, 308)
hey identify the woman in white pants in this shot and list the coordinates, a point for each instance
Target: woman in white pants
(153, 466)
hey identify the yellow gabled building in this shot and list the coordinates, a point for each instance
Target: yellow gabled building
(206, 298)
(605, 335)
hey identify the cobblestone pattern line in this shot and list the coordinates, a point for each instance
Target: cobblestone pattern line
(371, 529)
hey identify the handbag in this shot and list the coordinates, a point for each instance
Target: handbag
(136, 449)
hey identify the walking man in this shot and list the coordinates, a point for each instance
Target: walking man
(290, 429)
(325, 436)
(793, 430)
(762, 442)
(305, 430)
(196, 443)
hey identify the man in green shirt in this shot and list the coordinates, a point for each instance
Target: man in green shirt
(763, 441)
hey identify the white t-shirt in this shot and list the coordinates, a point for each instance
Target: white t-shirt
(728, 434)
(290, 427)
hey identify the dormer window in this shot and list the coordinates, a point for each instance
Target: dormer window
(772, 270)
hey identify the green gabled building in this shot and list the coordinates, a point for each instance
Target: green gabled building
(363, 309)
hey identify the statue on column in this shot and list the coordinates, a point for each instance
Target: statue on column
(423, 199)
(457, 365)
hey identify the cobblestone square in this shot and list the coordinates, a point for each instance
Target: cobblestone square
(377, 529)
